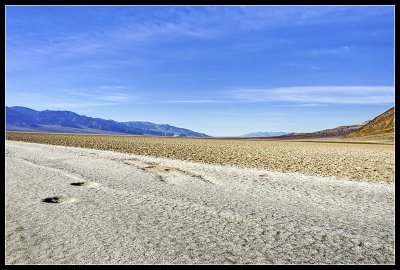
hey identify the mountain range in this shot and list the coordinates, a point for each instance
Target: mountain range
(336, 132)
(29, 120)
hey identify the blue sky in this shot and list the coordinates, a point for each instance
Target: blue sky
(221, 70)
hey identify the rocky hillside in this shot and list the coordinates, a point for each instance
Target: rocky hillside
(337, 132)
(380, 126)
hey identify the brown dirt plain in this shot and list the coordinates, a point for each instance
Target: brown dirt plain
(371, 162)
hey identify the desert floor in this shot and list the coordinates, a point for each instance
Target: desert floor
(134, 209)
(372, 162)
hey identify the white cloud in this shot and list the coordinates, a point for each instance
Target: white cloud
(115, 98)
(300, 66)
(319, 94)
(330, 51)
(112, 87)
(110, 39)
(304, 96)
(79, 105)
(95, 96)
(196, 101)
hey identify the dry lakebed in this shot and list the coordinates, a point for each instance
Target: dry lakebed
(77, 199)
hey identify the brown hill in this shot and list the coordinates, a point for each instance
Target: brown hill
(380, 126)
(337, 132)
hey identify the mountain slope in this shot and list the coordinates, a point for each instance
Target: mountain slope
(25, 119)
(163, 129)
(380, 126)
(326, 133)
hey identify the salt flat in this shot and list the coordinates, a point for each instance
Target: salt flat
(133, 209)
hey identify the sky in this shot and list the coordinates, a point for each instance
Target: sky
(220, 70)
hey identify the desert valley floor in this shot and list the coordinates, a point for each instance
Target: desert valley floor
(123, 208)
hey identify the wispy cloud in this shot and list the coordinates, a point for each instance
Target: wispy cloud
(106, 39)
(301, 105)
(197, 101)
(79, 105)
(121, 98)
(61, 101)
(330, 51)
(95, 96)
(301, 66)
(134, 28)
(319, 94)
(112, 87)
(303, 96)
(244, 113)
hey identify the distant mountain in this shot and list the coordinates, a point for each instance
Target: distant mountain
(381, 126)
(265, 134)
(337, 132)
(25, 119)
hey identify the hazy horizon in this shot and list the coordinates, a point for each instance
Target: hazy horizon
(222, 70)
